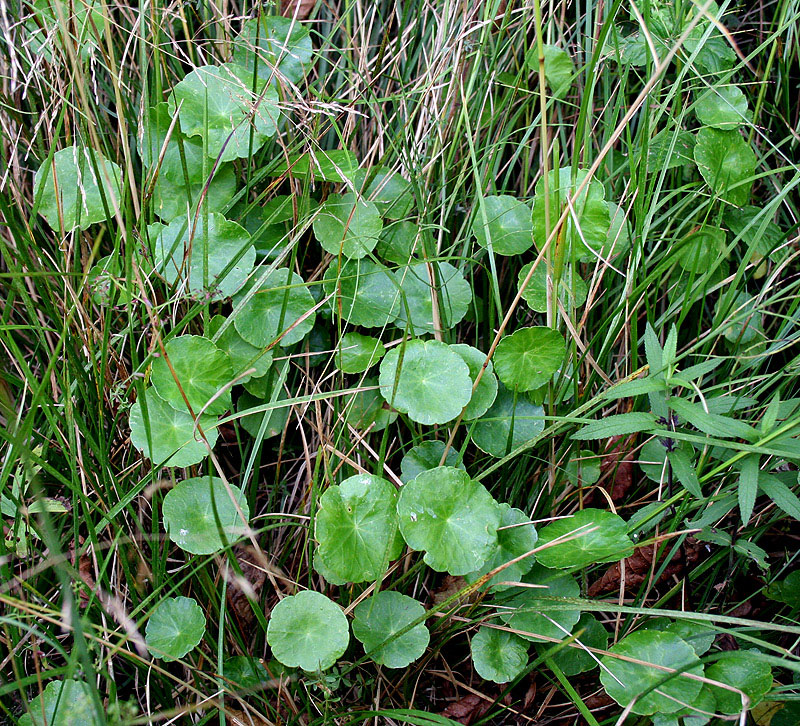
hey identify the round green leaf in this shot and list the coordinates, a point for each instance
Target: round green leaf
(425, 456)
(279, 302)
(348, 225)
(166, 435)
(575, 660)
(486, 392)
(724, 108)
(700, 245)
(179, 188)
(218, 104)
(356, 527)
(106, 282)
(217, 257)
(530, 609)
(572, 290)
(618, 239)
(746, 324)
(62, 703)
(276, 418)
(451, 517)
(398, 242)
(176, 626)
(698, 635)
(200, 516)
(358, 352)
(653, 458)
(377, 620)
(241, 354)
(364, 292)
(201, 369)
(594, 536)
(242, 672)
(528, 358)
(47, 37)
(366, 409)
(308, 631)
(670, 149)
(583, 469)
(727, 164)
(740, 670)
(757, 233)
(625, 681)
(558, 68)
(585, 230)
(507, 227)
(84, 194)
(415, 303)
(279, 49)
(426, 380)
(388, 191)
(515, 536)
(498, 655)
(153, 132)
(511, 421)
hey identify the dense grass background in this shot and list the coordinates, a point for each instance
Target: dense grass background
(442, 92)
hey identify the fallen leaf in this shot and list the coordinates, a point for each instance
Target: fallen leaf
(299, 9)
(467, 709)
(249, 586)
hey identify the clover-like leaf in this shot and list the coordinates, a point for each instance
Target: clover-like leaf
(185, 176)
(426, 380)
(358, 352)
(348, 225)
(215, 257)
(528, 358)
(415, 303)
(498, 655)
(425, 456)
(727, 164)
(722, 107)
(202, 371)
(515, 536)
(484, 395)
(62, 703)
(277, 48)
(511, 421)
(364, 292)
(399, 242)
(626, 681)
(280, 304)
(356, 527)
(387, 190)
(78, 187)
(451, 517)
(242, 356)
(585, 229)
(507, 227)
(378, 619)
(201, 517)
(219, 104)
(587, 537)
(574, 660)
(168, 436)
(572, 290)
(366, 409)
(308, 631)
(531, 609)
(176, 626)
(743, 671)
